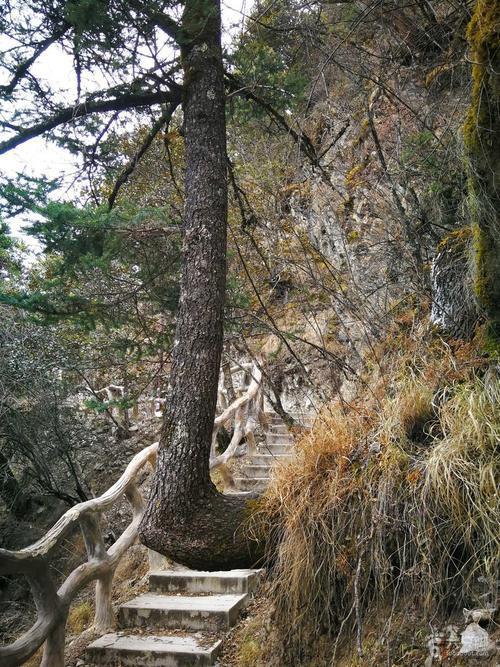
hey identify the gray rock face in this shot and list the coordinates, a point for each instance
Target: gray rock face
(453, 305)
(442, 644)
(476, 642)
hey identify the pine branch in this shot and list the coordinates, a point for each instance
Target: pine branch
(23, 68)
(123, 102)
(300, 138)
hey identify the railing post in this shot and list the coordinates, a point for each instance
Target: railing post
(104, 618)
(53, 651)
(53, 605)
(96, 551)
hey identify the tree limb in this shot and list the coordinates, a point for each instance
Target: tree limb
(120, 103)
(301, 138)
(130, 167)
(23, 67)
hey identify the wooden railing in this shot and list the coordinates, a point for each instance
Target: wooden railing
(245, 413)
(52, 603)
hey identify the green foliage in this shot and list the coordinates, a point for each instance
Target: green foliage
(434, 165)
(90, 254)
(88, 15)
(236, 296)
(103, 406)
(77, 235)
(24, 193)
(9, 263)
(266, 59)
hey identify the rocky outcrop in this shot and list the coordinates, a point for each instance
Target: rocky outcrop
(453, 305)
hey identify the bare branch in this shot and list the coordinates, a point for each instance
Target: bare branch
(130, 168)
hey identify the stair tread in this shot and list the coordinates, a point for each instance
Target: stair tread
(270, 456)
(223, 574)
(273, 458)
(290, 444)
(203, 603)
(276, 448)
(156, 644)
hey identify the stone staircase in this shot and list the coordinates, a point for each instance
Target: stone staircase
(180, 622)
(256, 472)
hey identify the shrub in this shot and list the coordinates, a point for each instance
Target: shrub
(388, 498)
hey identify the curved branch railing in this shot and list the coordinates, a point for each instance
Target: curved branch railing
(245, 412)
(52, 605)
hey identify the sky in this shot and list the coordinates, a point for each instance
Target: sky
(39, 157)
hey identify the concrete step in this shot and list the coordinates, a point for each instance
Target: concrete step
(305, 420)
(269, 459)
(151, 651)
(255, 484)
(253, 471)
(279, 438)
(277, 428)
(301, 418)
(273, 418)
(276, 449)
(191, 581)
(209, 612)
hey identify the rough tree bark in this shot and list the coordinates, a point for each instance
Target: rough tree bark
(187, 519)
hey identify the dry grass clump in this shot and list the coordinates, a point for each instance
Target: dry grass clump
(392, 497)
(249, 650)
(80, 617)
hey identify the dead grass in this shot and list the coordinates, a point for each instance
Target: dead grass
(80, 617)
(393, 497)
(249, 650)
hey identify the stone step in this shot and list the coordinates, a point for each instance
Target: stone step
(192, 581)
(301, 418)
(151, 651)
(255, 484)
(274, 419)
(279, 438)
(208, 612)
(269, 459)
(253, 471)
(304, 420)
(277, 428)
(276, 449)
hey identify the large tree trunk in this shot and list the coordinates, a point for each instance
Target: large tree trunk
(187, 519)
